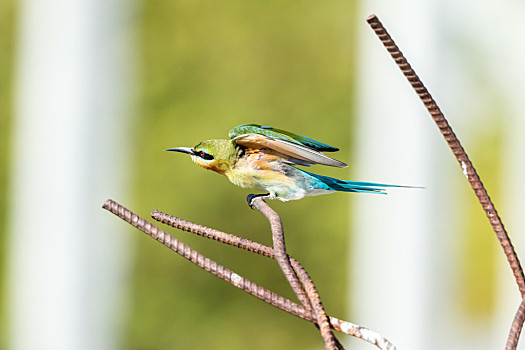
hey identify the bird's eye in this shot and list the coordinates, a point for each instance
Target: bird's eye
(205, 155)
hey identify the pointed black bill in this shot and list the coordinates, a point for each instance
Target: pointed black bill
(187, 150)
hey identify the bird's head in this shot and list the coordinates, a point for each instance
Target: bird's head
(216, 155)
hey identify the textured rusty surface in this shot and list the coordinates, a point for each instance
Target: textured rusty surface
(296, 275)
(232, 277)
(455, 146)
(206, 263)
(279, 248)
(517, 325)
(255, 247)
(313, 298)
(311, 293)
(214, 234)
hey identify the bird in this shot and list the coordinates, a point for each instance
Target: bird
(266, 159)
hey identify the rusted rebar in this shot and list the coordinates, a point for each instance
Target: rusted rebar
(311, 292)
(255, 247)
(294, 272)
(223, 237)
(281, 256)
(229, 239)
(206, 263)
(231, 277)
(279, 248)
(517, 325)
(455, 146)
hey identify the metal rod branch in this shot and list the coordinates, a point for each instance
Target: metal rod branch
(255, 247)
(517, 325)
(282, 258)
(312, 296)
(231, 277)
(455, 146)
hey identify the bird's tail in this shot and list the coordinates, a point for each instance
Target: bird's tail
(330, 183)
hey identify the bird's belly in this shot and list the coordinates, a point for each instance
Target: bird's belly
(281, 185)
(259, 179)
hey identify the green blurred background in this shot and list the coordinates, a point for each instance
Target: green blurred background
(203, 68)
(206, 67)
(7, 44)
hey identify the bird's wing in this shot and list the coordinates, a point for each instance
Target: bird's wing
(279, 134)
(297, 152)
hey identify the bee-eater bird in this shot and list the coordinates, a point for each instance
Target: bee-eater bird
(265, 158)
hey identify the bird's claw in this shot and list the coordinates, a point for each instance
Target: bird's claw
(251, 197)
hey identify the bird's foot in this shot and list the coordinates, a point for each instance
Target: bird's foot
(251, 197)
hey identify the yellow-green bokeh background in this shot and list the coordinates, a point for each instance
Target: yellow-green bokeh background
(7, 40)
(207, 67)
(202, 68)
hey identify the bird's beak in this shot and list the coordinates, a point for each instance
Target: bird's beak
(187, 150)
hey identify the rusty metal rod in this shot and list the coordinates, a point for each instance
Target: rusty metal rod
(455, 146)
(279, 248)
(207, 232)
(264, 250)
(246, 244)
(206, 263)
(231, 277)
(292, 266)
(226, 238)
(517, 325)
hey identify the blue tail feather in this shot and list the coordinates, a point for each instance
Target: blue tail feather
(330, 183)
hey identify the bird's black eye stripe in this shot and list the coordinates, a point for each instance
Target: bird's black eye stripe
(204, 155)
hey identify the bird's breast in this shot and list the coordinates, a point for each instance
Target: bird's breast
(261, 171)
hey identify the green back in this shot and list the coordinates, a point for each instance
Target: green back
(245, 129)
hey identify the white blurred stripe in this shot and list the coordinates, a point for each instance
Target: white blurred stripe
(394, 246)
(66, 256)
(406, 254)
